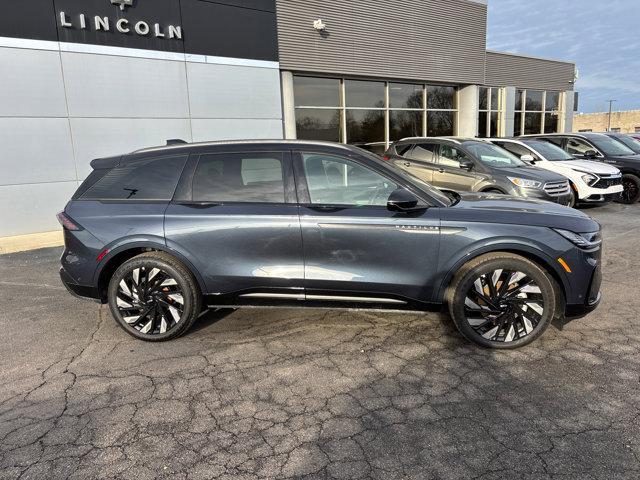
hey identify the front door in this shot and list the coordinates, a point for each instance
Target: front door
(449, 173)
(238, 222)
(353, 245)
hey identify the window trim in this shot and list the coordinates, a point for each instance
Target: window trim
(186, 193)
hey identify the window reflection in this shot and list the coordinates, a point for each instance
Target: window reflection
(402, 95)
(318, 124)
(532, 123)
(365, 126)
(440, 124)
(403, 123)
(316, 92)
(360, 93)
(441, 97)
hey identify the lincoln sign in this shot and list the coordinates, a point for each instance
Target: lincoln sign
(120, 25)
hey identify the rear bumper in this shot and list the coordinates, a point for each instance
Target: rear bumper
(81, 291)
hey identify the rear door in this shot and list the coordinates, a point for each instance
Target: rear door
(449, 174)
(353, 245)
(235, 217)
(421, 160)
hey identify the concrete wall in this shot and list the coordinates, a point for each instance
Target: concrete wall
(62, 105)
(627, 122)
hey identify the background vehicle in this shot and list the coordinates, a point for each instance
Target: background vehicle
(476, 166)
(162, 232)
(600, 147)
(627, 140)
(591, 182)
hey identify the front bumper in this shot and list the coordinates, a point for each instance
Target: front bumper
(599, 195)
(81, 291)
(542, 195)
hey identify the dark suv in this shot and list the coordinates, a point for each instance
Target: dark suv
(163, 233)
(603, 148)
(477, 166)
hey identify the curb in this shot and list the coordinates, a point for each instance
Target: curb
(23, 243)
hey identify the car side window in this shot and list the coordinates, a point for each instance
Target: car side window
(452, 156)
(253, 177)
(577, 146)
(339, 181)
(424, 152)
(147, 179)
(517, 150)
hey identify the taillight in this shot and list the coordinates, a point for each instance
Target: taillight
(67, 222)
(386, 157)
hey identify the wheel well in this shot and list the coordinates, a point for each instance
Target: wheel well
(529, 256)
(492, 189)
(113, 264)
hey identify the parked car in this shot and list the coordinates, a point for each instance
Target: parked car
(160, 234)
(600, 147)
(591, 182)
(627, 139)
(477, 166)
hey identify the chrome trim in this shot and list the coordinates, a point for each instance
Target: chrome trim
(282, 296)
(338, 298)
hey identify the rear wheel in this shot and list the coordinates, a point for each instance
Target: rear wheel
(573, 199)
(502, 301)
(154, 297)
(631, 192)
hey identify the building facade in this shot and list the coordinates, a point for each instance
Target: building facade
(89, 78)
(623, 122)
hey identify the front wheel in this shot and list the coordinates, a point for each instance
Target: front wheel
(631, 192)
(154, 297)
(502, 301)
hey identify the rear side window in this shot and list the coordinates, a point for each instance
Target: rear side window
(517, 150)
(148, 179)
(403, 149)
(424, 152)
(239, 177)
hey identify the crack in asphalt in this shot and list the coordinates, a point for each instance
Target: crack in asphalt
(315, 393)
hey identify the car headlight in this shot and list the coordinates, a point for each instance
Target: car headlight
(525, 182)
(589, 179)
(582, 240)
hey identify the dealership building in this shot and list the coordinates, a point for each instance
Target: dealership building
(82, 79)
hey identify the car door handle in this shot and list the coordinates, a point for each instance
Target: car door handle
(325, 208)
(198, 204)
(407, 164)
(441, 170)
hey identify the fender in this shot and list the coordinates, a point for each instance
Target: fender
(146, 241)
(527, 250)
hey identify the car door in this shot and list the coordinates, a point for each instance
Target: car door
(421, 160)
(235, 218)
(353, 245)
(450, 174)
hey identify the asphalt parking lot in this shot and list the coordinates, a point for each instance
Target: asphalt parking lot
(319, 393)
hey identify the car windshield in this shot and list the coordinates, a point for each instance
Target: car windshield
(612, 147)
(550, 151)
(630, 142)
(493, 155)
(421, 184)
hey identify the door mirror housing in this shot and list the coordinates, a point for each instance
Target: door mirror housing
(466, 165)
(402, 200)
(590, 154)
(528, 158)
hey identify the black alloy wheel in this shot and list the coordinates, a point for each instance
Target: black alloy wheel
(502, 300)
(631, 189)
(154, 297)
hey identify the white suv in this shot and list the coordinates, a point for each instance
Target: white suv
(591, 182)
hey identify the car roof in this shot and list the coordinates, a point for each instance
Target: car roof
(586, 135)
(458, 140)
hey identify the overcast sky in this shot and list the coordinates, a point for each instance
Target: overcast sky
(601, 36)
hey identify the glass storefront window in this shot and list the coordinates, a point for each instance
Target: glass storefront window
(440, 123)
(404, 123)
(482, 124)
(553, 101)
(483, 98)
(441, 98)
(550, 123)
(532, 123)
(363, 94)
(517, 124)
(519, 95)
(534, 101)
(403, 95)
(489, 116)
(365, 126)
(493, 131)
(318, 124)
(316, 92)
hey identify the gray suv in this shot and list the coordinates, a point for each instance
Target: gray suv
(162, 234)
(477, 166)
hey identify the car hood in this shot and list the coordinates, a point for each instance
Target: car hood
(588, 166)
(532, 173)
(505, 209)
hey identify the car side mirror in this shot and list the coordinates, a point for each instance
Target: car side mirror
(528, 158)
(466, 165)
(590, 154)
(402, 200)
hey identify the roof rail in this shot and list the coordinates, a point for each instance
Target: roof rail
(176, 141)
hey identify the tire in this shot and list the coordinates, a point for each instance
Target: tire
(573, 200)
(631, 192)
(513, 316)
(494, 191)
(154, 297)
